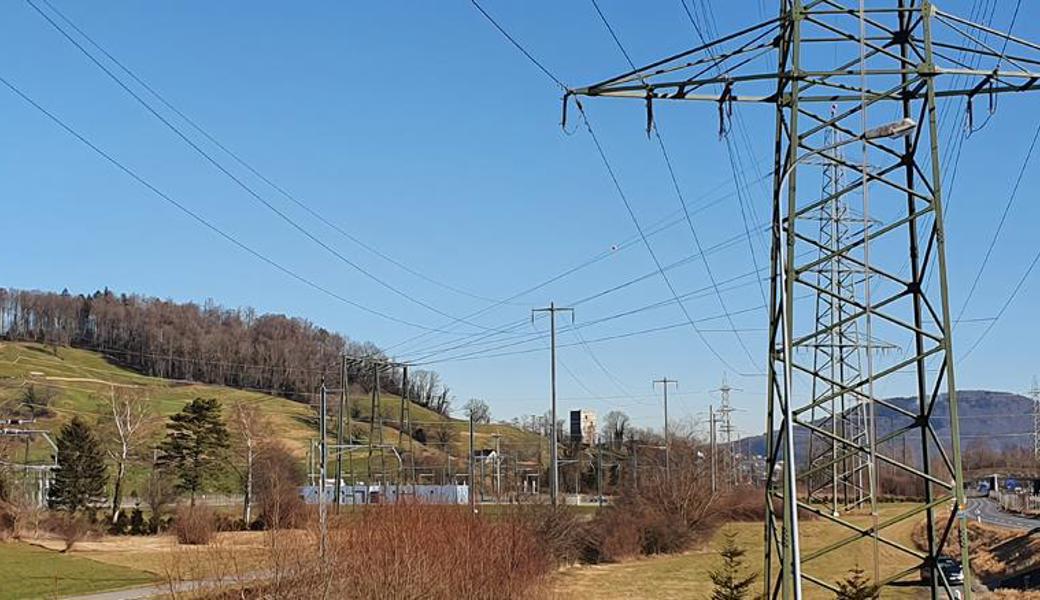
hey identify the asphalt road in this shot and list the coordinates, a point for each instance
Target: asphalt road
(991, 514)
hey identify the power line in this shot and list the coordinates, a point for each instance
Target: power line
(1000, 224)
(678, 188)
(202, 221)
(239, 182)
(241, 161)
(517, 45)
(646, 242)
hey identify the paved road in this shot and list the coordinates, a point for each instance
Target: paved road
(151, 591)
(992, 514)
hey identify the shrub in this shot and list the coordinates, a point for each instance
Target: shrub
(137, 524)
(730, 580)
(856, 586)
(70, 528)
(561, 534)
(410, 551)
(194, 525)
(121, 526)
(276, 485)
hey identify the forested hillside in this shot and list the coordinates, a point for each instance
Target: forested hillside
(205, 343)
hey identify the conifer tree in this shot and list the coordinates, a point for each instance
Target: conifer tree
(80, 477)
(731, 582)
(195, 445)
(856, 587)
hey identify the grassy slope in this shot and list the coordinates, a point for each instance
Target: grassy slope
(686, 575)
(81, 380)
(30, 572)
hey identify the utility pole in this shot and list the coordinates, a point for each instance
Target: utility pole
(711, 446)
(323, 449)
(472, 473)
(554, 459)
(886, 56)
(343, 379)
(372, 421)
(498, 466)
(635, 464)
(599, 474)
(664, 381)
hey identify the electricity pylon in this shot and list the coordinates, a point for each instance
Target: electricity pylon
(1034, 393)
(831, 478)
(724, 416)
(870, 59)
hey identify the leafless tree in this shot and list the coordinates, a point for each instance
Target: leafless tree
(249, 428)
(615, 426)
(478, 410)
(127, 421)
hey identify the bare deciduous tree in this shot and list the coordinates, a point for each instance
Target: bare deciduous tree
(478, 410)
(127, 422)
(249, 428)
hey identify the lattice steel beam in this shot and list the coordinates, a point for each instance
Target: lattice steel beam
(867, 59)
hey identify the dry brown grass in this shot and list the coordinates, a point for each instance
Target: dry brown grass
(402, 551)
(1009, 595)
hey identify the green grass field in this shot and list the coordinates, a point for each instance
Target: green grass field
(31, 572)
(79, 381)
(686, 575)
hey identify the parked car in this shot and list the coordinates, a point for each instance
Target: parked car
(950, 568)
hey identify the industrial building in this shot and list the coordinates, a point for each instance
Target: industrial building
(583, 427)
(388, 494)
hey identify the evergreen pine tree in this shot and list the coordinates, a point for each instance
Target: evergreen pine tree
(196, 442)
(730, 581)
(80, 477)
(856, 587)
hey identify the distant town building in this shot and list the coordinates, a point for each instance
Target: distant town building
(583, 427)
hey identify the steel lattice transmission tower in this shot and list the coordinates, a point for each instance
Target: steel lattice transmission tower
(871, 59)
(1034, 393)
(837, 480)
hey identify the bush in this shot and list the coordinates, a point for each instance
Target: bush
(561, 534)
(613, 535)
(137, 524)
(69, 527)
(453, 554)
(121, 526)
(194, 525)
(409, 551)
(277, 480)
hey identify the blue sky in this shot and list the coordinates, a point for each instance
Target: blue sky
(417, 128)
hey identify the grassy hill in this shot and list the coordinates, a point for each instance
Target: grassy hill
(77, 382)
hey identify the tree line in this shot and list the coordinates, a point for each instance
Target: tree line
(207, 343)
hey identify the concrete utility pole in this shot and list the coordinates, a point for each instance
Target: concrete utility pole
(323, 449)
(667, 435)
(472, 452)
(711, 446)
(599, 475)
(343, 379)
(498, 466)
(554, 459)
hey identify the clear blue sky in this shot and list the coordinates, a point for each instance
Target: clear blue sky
(416, 127)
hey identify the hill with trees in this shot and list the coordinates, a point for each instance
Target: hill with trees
(208, 343)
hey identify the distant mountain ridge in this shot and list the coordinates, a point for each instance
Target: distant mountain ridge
(1000, 421)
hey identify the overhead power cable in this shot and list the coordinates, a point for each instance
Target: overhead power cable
(1000, 224)
(646, 242)
(678, 189)
(242, 184)
(201, 220)
(256, 172)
